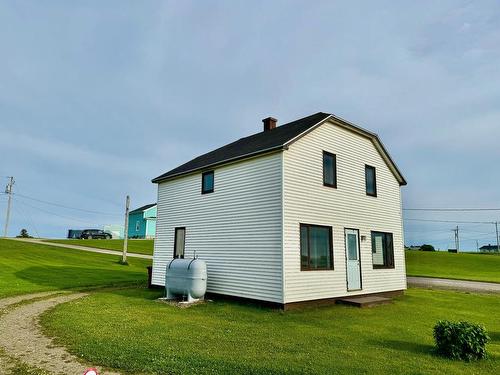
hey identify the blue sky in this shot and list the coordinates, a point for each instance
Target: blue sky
(96, 98)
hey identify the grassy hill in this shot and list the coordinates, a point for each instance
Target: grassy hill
(29, 268)
(463, 266)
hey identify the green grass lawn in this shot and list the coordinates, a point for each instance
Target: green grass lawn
(134, 246)
(479, 267)
(128, 330)
(28, 268)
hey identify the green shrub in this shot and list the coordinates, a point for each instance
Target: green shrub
(426, 247)
(460, 340)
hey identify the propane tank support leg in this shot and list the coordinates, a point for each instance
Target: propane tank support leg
(170, 294)
(190, 298)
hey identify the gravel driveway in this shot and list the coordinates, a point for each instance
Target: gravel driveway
(461, 285)
(21, 337)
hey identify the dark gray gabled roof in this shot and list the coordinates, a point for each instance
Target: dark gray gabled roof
(248, 146)
(143, 208)
(267, 141)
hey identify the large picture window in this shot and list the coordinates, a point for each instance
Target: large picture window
(316, 251)
(329, 169)
(179, 242)
(382, 250)
(371, 181)
(207, 182)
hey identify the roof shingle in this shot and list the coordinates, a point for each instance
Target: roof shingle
(251, 145)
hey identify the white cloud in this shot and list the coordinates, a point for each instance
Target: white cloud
(96, 99)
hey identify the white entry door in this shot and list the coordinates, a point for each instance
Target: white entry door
(352, 259)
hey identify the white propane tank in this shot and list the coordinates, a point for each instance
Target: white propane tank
(186, 278)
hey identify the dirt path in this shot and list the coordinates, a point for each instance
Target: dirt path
(22, 339)
(461, 285)
(82, 248)
(6, 302)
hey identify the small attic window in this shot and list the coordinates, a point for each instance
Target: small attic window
(207, 182)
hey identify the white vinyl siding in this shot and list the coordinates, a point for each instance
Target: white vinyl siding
(237, 229)
(306, 200)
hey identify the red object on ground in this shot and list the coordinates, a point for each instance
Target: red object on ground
(91, 371)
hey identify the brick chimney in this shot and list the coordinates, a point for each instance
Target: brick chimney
(269, 123)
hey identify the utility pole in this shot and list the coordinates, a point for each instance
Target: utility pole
(496, 227)
(457, 239)
(8, 190)
(125, 231)
(477, 246)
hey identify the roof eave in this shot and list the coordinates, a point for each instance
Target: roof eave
(372, 136)
(219, 163)
(142, 209)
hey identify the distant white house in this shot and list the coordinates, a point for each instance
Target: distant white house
(116, 230)
(309, 210)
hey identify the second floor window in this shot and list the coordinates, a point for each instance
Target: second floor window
(371, 181)
(207, 182)
(329, 169)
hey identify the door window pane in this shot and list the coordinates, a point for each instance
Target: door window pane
(352, 246)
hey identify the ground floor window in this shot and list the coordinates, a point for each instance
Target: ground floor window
(179, 242)
(316, 251)
(382, 250)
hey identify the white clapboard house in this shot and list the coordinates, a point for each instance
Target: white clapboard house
(306, 211)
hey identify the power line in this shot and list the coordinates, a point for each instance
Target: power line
(451, 209)
(67, 207)
(446, 232)
(476, 231)
(435, 237)
(491, 235)
(28, 219)
(54, 214)
(427, 231)
(450, 221)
